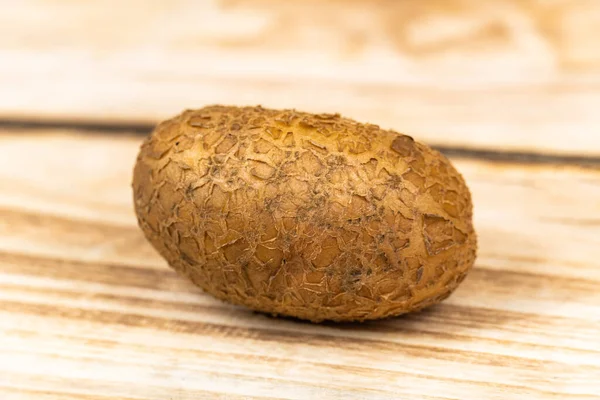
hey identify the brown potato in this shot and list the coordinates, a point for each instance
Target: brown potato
(312, 216)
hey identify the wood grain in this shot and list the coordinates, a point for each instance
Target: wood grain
(500, 74)
(88, 310)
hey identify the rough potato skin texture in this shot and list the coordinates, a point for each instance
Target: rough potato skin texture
(311, 216)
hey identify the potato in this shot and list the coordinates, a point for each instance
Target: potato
(311, 216)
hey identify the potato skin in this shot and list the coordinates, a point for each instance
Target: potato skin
(311, 216)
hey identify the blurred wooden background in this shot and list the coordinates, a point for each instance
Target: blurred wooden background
(509, 89)
(514, 74)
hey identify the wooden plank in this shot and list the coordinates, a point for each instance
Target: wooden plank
(93, 208)
(501, 74)
(88, 310)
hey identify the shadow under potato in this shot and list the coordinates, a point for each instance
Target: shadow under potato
(460, 313)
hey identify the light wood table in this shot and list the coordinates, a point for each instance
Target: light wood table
(509, 90)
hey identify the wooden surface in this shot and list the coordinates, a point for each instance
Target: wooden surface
(525, 74)
(88, 308)
(509, 89)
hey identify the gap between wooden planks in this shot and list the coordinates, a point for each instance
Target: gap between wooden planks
(83, 297)
(514, 74)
